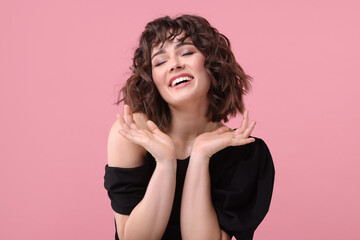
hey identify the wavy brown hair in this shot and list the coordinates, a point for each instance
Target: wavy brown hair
(228, 80)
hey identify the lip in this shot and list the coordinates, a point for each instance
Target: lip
(177, 76)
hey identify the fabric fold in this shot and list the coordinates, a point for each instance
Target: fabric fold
(241, 193)
(126, 186)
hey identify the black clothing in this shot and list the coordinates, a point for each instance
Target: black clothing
(241, 177)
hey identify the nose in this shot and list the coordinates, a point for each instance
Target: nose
(176, 64)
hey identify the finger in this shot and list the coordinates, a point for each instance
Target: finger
(123, 124)
(248, 131)
(244, 123)
(131, 136)
(129, 118)
(128, 114)
(153, 127)
(248, 140)
(242, 141)
(126, 134)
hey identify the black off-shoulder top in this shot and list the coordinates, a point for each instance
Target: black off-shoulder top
(241, 177)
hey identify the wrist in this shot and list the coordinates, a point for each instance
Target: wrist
(199, 156)
(165, 158)
(167, 164)
(200, 152)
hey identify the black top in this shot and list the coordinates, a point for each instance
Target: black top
(241, 179)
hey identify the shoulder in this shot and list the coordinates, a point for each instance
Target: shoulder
(242, 165)
(255, 156)
(120, 151)
(261, 148)
(258, 147)
(265, 158)
(259, 144)
(248, 156)
(257, 150)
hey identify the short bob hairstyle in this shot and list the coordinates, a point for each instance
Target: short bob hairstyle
(228, 80)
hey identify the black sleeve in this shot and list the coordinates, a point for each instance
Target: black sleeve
(126, 186)
(242, 190)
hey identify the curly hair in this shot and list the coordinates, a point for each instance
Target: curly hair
(228, 80)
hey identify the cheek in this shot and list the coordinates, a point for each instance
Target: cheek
(199, 64)
(155, 77)
(158, 81)
(200, 68)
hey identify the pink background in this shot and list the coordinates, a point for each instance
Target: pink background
(60, 62)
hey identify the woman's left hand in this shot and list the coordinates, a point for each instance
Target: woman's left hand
(209, 143)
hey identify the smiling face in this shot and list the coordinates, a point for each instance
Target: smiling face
(178, 72)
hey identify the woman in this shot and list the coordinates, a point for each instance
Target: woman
(175, 171)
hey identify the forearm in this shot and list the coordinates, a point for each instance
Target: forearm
(198, 217)
(150, 217)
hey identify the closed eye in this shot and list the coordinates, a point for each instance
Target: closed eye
(158, 64)
(188, 53)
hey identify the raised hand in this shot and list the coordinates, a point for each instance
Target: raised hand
(153, 140)
(209, 143)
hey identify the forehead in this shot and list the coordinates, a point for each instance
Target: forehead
(170, 40)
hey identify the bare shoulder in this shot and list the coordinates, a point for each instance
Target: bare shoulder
(120, 151)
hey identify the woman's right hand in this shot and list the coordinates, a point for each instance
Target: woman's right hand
(159, 144)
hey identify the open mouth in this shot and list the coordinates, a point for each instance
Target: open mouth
(181, 80)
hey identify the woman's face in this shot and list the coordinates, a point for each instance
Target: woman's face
(178, 72)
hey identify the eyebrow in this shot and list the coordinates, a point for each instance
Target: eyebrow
(161, 51)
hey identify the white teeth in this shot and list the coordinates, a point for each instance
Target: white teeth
(180, 79)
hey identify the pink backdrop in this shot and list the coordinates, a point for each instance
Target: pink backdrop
(60, 62)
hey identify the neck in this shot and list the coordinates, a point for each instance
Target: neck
(188, 122)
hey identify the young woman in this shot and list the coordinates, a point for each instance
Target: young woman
(175, 171)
